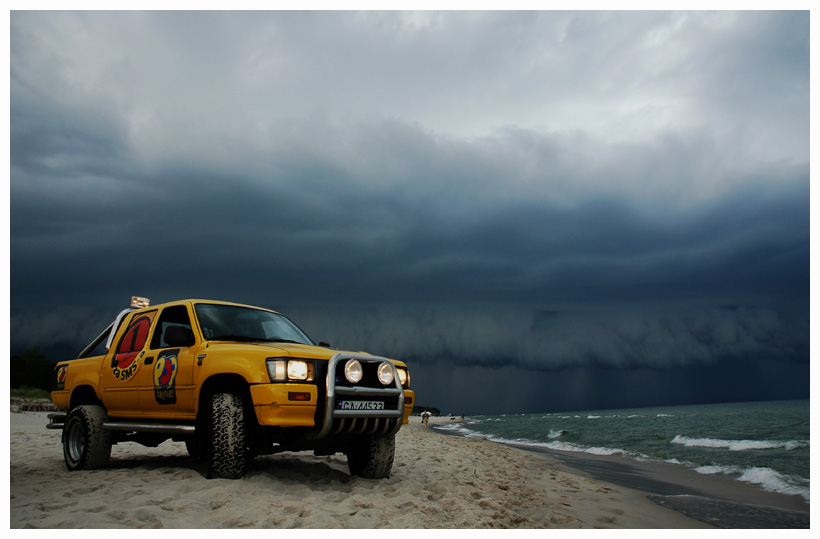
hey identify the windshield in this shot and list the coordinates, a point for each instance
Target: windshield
(235, 323)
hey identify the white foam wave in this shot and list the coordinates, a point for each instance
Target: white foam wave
(766, 478)
(454, 428)
(740, 445)
(714, 470)
(774, 481)
(563, 446)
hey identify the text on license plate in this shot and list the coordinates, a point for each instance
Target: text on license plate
(361, 405)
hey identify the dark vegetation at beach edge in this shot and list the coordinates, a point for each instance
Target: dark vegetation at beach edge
(29, 372)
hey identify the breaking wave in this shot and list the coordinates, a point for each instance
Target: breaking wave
(740, 445)
(766, 478)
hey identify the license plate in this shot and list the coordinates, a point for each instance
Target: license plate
(361, 405)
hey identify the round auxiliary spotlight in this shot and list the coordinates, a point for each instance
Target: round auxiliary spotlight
(385, 373)
(353, 371)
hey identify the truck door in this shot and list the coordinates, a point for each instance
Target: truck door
(119, 377)
(166, 388)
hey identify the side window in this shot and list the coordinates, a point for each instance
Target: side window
(133, 341)
(171, 317)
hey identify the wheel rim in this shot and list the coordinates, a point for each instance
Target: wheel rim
(76, 442)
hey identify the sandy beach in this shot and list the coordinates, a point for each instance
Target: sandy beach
(438, 481)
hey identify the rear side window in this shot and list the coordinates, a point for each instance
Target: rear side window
(134, 340)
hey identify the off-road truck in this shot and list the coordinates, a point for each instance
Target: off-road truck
(231, 381)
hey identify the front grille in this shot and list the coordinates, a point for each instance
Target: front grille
(378, 425)
(370, 377)
(368, 419)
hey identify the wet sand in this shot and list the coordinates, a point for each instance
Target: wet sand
(714, 499)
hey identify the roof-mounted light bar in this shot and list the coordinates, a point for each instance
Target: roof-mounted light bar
(139, 303)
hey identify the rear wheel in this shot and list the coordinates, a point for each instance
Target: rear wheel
(86, 445)
(371, 456)
(226, 443)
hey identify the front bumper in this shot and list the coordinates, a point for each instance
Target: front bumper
(296, 404)
(285, 405)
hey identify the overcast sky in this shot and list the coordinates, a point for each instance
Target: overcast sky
(537, 211)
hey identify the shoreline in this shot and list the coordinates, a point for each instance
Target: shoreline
(438, 482)
(718, 500)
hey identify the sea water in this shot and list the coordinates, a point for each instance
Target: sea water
(766, 443)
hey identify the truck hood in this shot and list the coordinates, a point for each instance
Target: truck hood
(278, 349)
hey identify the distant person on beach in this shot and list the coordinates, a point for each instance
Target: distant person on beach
(425, 415)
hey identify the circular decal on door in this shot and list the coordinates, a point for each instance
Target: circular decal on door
(165, 375)
(61, 373)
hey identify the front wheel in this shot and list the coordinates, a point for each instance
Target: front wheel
(226, 443)
(371, 456)
(86, 445)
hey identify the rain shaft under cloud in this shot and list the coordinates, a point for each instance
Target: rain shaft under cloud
(590, 201)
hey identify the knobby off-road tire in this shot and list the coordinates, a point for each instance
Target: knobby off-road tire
(371, 457)
(86, 446)
(226, 443)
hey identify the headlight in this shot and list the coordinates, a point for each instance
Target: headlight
(353, 371)
(277, 370)
(297, 370)
(404, 377)
(282, 370)
(385, 373)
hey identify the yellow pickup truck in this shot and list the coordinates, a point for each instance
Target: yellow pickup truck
(231, 381)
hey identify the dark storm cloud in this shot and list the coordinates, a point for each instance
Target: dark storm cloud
(510, 389)
(494, 336)
(527, 191)
(495, 243)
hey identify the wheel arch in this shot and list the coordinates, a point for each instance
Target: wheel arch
(84, 395)
(224, 383)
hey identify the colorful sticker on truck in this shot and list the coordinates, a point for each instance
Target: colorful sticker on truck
(165, 375)
(61, 374)
(126, 361)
